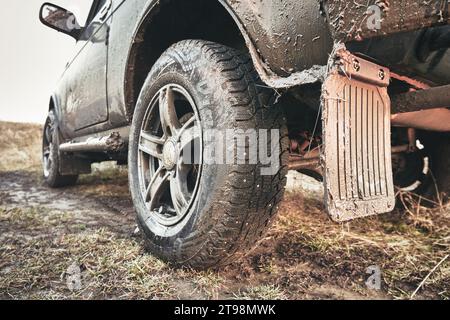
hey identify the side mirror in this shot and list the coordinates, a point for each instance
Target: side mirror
(59, 19)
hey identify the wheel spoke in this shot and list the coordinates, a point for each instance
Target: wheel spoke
(189, 136)
(156, 187)
(50, 148)
(169, 119)
(190, 146)
(46, 152)
(48, 133)
(186, 127)
(151, 145)
(178, 190)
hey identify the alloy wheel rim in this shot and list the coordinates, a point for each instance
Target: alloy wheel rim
(169, 155)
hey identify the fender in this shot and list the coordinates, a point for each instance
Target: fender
(289, 42)
(56, 107)
(286, 50)
(137, 38)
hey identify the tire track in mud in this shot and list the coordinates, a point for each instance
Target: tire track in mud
(290, 262)
(24, 190)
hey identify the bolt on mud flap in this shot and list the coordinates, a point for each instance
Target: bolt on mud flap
(357, 139)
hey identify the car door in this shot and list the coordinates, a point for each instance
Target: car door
(86, 103)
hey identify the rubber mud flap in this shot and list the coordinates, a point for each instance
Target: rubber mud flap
(357, 139)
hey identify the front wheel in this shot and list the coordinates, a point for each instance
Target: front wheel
(194, 207)
(50, 155)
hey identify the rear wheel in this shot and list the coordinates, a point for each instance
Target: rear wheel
(425, 169)
(412, 172)
(191, 210)
(51, 157)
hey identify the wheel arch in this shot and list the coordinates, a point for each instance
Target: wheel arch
(220, 25)
(54, 106)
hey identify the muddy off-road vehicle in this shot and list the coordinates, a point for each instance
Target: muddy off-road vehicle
(353, 93)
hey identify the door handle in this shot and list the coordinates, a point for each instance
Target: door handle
(103, 13)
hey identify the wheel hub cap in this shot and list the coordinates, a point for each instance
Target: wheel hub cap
(169, 154)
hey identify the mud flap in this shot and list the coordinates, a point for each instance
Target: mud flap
(69, 165)
(357, 144)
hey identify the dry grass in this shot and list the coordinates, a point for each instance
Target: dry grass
(35, 257)
(20, 146)
(111, 267)
(406, 247)
(303, 256)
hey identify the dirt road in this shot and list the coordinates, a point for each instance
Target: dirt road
(80, 242)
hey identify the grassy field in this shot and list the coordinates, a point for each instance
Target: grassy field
(47, 236)
(20, 146)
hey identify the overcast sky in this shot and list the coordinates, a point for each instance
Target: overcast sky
(32, 58)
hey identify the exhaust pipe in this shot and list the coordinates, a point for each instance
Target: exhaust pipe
(423, 109)
(437, 97)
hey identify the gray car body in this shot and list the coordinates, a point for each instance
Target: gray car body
(99, 87)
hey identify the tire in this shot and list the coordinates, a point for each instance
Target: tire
(416, 175)
(50, 156)
(232, 205)
(412, 170)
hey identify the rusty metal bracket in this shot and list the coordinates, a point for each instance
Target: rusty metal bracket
(356, 130)
(351, 21)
